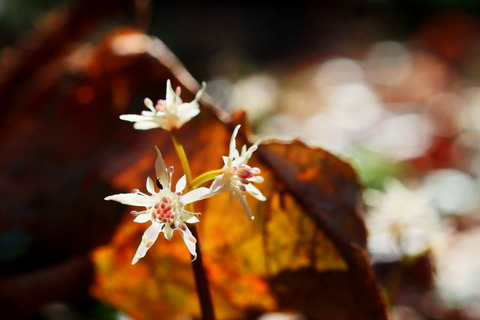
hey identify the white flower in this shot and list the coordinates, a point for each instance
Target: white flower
(457, 269)
(164, 208)
(167, 114)
(237, 176)
(402, 221)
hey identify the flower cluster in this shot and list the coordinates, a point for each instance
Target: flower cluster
(165, 209)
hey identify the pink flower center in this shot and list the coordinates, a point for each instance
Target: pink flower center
(247, 174)
(161, 105)
(163, 211)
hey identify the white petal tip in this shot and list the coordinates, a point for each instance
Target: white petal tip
(200, 91)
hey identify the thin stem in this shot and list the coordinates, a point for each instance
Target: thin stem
(201, 281)
(206, 176)
(199, 273)
(183, 160)
(392, 282)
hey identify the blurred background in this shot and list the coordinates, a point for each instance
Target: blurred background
(390, 86)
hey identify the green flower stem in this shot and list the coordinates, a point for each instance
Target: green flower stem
(199, 273)
(393, 280)
(183, 160)
(206, 176)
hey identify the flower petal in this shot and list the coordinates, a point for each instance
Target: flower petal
(233, 146)
(219, 184)
(168, 232)
(181, 184)
(161, 169)
(170, 95)
(146, 125)
(243, 201)
(189, 240)
(148, 238)
(142, 218)
(226, 160)
(235, 158)
(255, 192)
(149, 115)
(133, 199)
(200, 92)
(192, 219)
(134, 117)
(187, 111)
(195, 195)
(247, 154)
(150, 185)
(244, 150)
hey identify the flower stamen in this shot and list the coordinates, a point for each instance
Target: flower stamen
(246, 175)
(161, 106)
(163, 211)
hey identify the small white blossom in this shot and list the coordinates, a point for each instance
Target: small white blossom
(457, 269)
(402, 221)
(167, 114)
(164, 208)
(237, 177)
